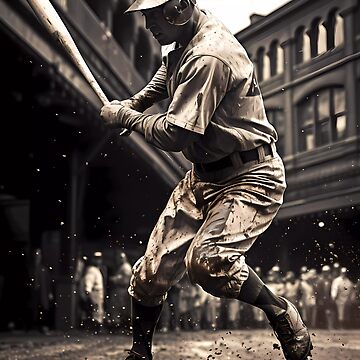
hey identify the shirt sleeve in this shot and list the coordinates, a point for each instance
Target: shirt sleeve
(156, 129)
(203, 82)
(153, 92)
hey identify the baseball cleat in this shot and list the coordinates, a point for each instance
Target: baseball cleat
(292, 333)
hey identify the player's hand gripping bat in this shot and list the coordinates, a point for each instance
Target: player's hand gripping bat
(55, 26)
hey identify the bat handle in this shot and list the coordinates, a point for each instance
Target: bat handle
(105, 101)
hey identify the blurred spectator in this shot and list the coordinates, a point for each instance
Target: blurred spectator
(173, 300)
(211, 312)
(341, 290)
(42, 294)
(92, 293)
(292, 288)
(199, 300)
(78, 279)
(231, 313)
(335, 270)
(186, 303)
(355, 304)
(313, 278)
(307, 301)
(326, 306)
(170, 315)
(119, 299)
(275, 282)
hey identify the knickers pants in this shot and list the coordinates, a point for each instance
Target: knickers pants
(207, 226)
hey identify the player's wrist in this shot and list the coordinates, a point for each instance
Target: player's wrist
(109, 113)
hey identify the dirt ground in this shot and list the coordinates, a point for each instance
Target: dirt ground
(246, 345)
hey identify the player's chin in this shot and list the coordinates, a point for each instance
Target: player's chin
(163, 40)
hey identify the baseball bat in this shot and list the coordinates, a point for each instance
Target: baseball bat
(53, 23)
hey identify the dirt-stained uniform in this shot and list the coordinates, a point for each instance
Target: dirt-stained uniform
(216, 117)
(236, 184)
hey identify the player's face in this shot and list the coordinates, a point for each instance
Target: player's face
(162, 31)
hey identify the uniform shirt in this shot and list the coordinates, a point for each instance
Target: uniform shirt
(213, 94)
(93, 280)
(341, 289)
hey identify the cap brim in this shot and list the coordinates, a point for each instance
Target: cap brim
(139, 5)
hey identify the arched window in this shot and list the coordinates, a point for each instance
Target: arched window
(322, 39)
(335, 25)
(280, 60)
(306, 47)
(339, 30)
(322, 118)
(318, 37)
(267, 65)
(276, 54)
(299, 45)
(260, 63)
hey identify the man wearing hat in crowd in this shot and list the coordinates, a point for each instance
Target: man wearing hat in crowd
(92, 292)
(341, 291)
(324, 301)
(216, 118)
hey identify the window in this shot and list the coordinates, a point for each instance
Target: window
(339, 113)
(299, 44)
(322, 118)
(318, 37)
(339, 31)
(306, 125)
(266, 70)
(322, 39)
(276, 58)
(277, 119)
(302, 45)
(335, 25)
(280, 60)
(306, 47)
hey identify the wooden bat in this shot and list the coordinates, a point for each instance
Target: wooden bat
(56, 27)
(53, 23)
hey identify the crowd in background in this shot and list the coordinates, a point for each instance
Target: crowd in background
(326, 299)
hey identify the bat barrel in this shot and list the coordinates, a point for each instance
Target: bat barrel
(55, 26)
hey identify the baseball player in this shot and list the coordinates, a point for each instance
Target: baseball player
(216, 118)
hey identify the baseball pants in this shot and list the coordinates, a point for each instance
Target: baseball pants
(206, 228)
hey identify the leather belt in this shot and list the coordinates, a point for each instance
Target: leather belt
(245, 157)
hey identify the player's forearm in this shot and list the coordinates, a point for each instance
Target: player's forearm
(152, 93)
(156, 129)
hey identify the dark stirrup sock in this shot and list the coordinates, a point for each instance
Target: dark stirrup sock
(144, 320)
(256, 293)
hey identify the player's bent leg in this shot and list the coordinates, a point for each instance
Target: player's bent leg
(162, 266)
(288, 326)
(148, 287)
(292, 333)
(144, 320)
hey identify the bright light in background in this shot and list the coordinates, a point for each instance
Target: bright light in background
(235, 14)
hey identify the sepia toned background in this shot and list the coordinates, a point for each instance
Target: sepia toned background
(70, 187)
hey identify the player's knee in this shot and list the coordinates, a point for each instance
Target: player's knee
(150, 291)
(217, 275)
